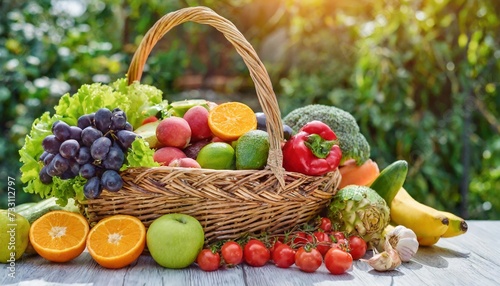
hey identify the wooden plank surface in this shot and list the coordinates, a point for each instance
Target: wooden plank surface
(470, 259)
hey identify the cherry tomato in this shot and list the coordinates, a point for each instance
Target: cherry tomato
(300, 238)
(357, 246)
(322, 240)
(325, 224)
(283, 256)
(256, 253)
(337, 261)
(338, 235)
(341, 244)
(308, 259)
(276, 243)
(208, 260)
(232, 253)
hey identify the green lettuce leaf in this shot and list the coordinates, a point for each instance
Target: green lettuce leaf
(134, 100)
(139, 155)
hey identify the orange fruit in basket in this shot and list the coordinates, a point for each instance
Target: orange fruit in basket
(117, 241)
(59, 236)
(230, 120)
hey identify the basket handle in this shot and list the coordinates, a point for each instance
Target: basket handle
(267, 98)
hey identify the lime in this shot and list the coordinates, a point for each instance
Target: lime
(14, 234)
(252, 149)
(216, 155)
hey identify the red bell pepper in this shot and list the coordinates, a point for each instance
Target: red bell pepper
(313, 151)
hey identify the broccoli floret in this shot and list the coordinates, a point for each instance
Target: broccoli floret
(352, 143)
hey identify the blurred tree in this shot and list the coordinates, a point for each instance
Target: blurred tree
(422, 81)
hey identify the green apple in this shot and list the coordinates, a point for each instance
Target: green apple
(14, 234)
(174, 240)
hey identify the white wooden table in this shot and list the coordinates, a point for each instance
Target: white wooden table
(470, 259)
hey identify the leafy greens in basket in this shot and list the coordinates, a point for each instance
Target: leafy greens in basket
(135, 100)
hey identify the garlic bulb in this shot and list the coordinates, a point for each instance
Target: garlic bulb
(386, 260)
(404, 240)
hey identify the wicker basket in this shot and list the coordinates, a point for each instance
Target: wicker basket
(228, 203)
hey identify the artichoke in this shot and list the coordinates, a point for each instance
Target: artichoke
(360, 210)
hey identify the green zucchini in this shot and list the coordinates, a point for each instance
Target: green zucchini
(39, 209)
(390, 180)
(23, 206)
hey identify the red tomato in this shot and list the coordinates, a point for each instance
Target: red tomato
(337, 261)
(256, 253)
(232, 253)
(341, 244)
(277, 243)
(308, 259)
(283, 256)
(338, 235)
(325, 224)
(322, 241)
(207, 260)
(357, 246)
(152, 118)
(300, 238)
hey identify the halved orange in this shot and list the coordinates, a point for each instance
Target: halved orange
(230, 120)
(59, 236)
(117, 241)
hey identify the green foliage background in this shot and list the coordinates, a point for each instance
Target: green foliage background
(421, 77)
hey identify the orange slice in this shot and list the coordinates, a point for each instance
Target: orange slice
(117, 241)
(230, 120)
(59, 236)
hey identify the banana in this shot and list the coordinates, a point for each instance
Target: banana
(424, 220)
(457, 225)
(427, 240)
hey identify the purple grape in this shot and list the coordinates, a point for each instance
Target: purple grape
(59, 163)
(69, 148)
(44, 176)
(102, 119)
(92, 189)
(287, 132)
(61, 130)
(125, 138)
(52, 171)
(51, 144)
(118, 119)
(67, 175)
(111, 181)
(100, 148)
(115, 158)
(48, 159)
(74, 167)
(85, 121)
(89, 135)
(83, 156)
(44, 154)
(128, 127)
(75, 133)
(261, 121)
(88, 171)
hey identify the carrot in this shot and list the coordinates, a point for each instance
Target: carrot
(353, 174)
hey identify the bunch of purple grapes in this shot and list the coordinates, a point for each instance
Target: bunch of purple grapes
(94, 149)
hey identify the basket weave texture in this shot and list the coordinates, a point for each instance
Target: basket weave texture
(228, 203)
